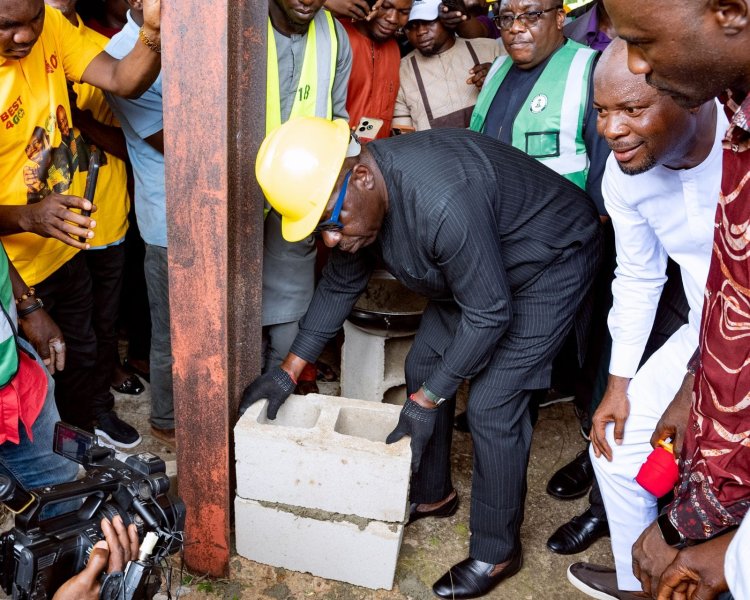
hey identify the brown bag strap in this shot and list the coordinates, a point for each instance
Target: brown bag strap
(470, 48)
(420, 85)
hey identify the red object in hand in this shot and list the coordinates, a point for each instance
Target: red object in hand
(659, 474)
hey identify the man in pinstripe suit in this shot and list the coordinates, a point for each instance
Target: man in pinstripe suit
(504, 248)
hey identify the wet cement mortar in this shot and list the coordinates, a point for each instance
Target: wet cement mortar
(430, 546)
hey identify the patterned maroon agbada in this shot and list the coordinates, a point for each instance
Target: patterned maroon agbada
(714, 490)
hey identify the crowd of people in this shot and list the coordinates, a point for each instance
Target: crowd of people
(566, 186)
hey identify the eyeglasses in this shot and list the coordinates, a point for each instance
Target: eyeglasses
(333, 223)
(527, 19)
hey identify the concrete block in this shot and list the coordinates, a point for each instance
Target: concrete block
(362, 553)
(325, 453)
(371, 364)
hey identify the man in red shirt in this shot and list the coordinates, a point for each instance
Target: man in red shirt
(373, 83)
(694, 51)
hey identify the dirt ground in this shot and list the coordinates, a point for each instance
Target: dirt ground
(430, 546)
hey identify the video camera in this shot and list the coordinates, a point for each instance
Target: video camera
(42, 551)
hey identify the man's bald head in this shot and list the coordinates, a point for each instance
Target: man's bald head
(643, 127)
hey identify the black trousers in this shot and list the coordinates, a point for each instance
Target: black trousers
(498, 404)
(68, 299)
(106, 271)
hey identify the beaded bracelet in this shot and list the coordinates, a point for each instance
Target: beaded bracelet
(30, 293)
(150, 44)
(31, 308)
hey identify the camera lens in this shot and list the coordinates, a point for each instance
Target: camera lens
(152, 486)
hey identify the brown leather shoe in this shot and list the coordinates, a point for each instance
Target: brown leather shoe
(599, 582)
(165, 435)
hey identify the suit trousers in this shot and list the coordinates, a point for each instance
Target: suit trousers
(498, 404)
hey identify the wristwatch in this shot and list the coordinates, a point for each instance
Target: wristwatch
(670, 533)
(434, 398)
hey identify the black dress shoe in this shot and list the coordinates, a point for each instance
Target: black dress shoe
(471, 578)
(578, 534)
(446, 510)
(574, 479)
(131, 386)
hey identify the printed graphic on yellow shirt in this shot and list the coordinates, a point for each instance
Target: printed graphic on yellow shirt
(51, 169)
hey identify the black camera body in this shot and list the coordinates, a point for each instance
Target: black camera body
(40, 553)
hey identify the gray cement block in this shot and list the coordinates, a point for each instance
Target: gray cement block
(364, 554)
(325, 453)
(372, 364)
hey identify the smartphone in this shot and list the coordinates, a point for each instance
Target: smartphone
(368, 128)
(91, 177)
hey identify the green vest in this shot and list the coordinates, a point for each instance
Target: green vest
(8, 322)
(313, 96)
(549, 126)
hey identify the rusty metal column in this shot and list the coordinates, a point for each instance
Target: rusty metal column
(214, 77)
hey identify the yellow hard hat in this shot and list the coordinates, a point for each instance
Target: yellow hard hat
(297, 166)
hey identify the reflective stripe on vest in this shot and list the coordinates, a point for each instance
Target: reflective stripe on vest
(549, 126)
(313, 95)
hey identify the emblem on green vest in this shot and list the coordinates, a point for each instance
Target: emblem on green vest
(539, 103)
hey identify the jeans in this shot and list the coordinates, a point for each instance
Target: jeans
(157, 283)
(69, 301)
(34, 464)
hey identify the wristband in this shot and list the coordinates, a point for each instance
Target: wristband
(31, 308)
(434, 398)
(30, 293)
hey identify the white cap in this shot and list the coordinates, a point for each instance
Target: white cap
(424, 10)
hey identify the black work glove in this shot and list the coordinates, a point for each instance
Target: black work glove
(276, 385)
(417, 422)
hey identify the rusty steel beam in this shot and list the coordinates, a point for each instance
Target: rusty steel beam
(214, 101)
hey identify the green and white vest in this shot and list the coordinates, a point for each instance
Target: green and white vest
(8, 321)
(549, 126)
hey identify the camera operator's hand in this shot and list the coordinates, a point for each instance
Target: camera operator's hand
(119, 546)
(276, 385)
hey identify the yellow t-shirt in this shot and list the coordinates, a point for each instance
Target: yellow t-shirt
(35, 157)
(111, 197)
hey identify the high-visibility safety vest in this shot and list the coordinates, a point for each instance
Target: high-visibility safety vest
(549, 126)
(313, 96)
